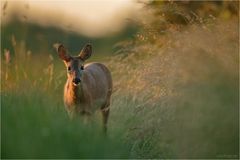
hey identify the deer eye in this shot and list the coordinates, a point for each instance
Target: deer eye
(69, 68)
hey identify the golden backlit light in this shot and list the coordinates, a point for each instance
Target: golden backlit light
(91, 18)
(119, 79)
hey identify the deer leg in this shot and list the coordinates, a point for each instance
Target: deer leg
(71, 114)
(105, 114)
(87, 118)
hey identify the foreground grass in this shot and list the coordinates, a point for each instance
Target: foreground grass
(36, 126)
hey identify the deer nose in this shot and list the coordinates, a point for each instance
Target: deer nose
(76, 81)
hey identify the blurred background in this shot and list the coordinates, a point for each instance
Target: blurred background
(175, 68)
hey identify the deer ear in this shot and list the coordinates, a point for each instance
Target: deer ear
(62, 52)
(86, 52)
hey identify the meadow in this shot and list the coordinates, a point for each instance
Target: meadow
(176, 95)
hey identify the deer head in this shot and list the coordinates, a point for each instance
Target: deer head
(74, 64)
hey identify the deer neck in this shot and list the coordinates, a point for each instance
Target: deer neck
(75, 92)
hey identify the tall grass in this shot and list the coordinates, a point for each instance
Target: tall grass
(182, 92)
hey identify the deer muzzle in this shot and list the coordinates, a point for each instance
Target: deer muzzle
(76, 81)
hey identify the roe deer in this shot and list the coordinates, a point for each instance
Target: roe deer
(88, 87)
